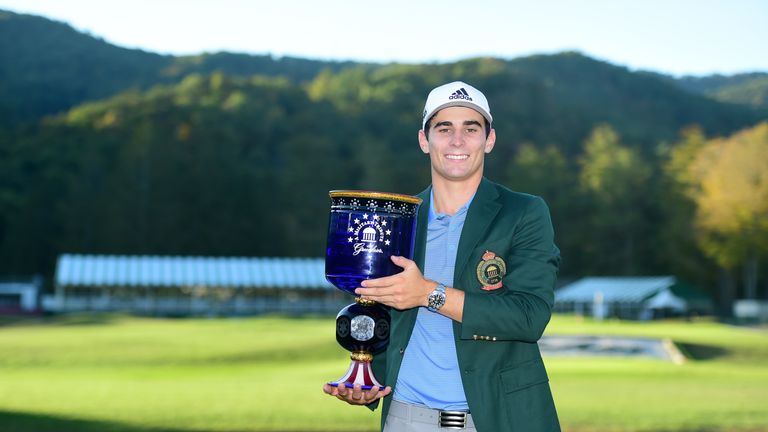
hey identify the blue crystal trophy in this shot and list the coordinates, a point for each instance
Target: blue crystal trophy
(365, 229)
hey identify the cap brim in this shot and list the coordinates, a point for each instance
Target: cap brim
(460, 103)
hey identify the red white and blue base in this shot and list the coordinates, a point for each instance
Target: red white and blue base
(359, 372)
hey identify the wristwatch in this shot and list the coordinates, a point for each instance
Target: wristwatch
(436, 299)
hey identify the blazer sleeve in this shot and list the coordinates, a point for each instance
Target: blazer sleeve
(379, 369)
(523, 306)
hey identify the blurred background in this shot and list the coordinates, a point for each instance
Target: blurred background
(217, 130)
(174, 158)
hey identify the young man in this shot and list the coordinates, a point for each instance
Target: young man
(467, 312)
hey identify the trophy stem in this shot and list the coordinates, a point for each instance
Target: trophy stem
(359, 372)
(364, 301)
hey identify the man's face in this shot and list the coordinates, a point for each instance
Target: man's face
(457, 144)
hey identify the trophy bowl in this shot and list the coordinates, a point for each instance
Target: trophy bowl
(364, 230)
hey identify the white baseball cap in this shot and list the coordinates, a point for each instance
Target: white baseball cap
(457, 93)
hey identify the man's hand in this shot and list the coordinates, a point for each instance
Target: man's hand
(405, 290)
(356, 396)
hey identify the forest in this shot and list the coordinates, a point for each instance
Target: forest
(105, 150)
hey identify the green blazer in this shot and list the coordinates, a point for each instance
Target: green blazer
(502, 372)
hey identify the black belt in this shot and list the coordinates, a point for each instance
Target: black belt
(443, 419)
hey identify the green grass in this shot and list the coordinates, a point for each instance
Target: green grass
(120, 373)
(722, 387)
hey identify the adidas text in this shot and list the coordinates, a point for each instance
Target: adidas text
(460, 94)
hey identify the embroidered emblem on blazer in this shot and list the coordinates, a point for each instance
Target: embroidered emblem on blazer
(490, 271)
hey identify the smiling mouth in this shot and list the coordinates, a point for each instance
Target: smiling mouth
(457, 157)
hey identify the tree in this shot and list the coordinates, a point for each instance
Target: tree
(547, 173)
(678, 249)
(730, 189)
(615, 177)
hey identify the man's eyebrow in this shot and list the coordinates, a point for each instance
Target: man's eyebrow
(466, 123)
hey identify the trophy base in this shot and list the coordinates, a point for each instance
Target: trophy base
(359, 372)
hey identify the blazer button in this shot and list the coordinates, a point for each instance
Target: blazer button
(402, 350)
(474, 337)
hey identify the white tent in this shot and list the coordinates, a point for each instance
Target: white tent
(622, 297)
(666, 300)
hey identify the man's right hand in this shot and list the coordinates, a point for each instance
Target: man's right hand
(356, 396)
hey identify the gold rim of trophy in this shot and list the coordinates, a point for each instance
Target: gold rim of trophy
(376, 195)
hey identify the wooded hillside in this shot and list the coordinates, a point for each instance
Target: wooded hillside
(110, 150)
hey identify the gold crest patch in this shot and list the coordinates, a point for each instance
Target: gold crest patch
(490, 271)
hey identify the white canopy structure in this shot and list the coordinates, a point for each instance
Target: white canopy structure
(622, 297)
(174, 285)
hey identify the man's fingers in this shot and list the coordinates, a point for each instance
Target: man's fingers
(379, 282)
(357, 393)
(401, 261)
(371, 393)
(341, 390)
(373, 294)
(375, 393)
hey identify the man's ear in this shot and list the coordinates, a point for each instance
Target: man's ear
(490, 141)
(423, 141)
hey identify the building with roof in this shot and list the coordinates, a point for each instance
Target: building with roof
(631, 298)
(171, 285)
(20, 295)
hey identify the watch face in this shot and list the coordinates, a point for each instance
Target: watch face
(436, 300)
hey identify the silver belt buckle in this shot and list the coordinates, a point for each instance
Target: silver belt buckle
(453, 419)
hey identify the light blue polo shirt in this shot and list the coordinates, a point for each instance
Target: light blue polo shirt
(430, 375)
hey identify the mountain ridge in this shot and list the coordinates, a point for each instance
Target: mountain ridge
(47, 67)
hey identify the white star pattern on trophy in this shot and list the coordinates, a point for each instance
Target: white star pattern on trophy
(357, 221)
(384, 223)
(386, 242)
(388, 232)
(375, 217)
(349, 240)
(350, 229)
(365, 215)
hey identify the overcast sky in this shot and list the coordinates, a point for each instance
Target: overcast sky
(677, 37)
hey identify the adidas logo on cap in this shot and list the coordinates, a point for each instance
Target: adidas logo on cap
(460, 94)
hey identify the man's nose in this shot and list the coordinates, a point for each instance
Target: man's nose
(457, 139)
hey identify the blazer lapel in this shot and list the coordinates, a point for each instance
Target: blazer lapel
(421, 229)
(481, 213)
